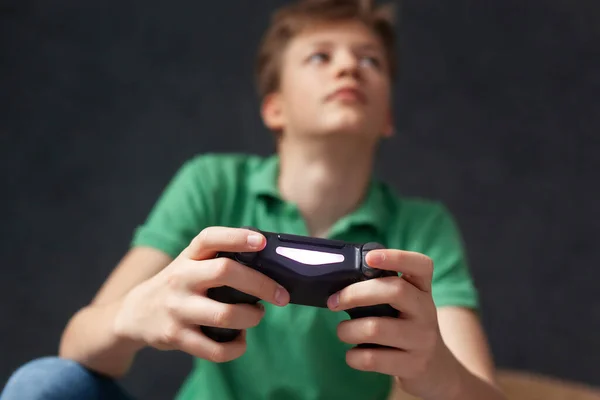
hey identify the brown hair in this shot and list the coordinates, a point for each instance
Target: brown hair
(288, 21)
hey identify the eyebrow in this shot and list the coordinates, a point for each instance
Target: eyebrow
(370, 46)
(364, 46)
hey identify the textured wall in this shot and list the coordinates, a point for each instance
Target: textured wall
(497, 113)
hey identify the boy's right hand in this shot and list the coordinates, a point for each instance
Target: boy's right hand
(166, 311)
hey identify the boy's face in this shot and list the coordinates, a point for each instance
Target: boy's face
(334, 80)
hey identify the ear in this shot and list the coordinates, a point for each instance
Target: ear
(272, 112)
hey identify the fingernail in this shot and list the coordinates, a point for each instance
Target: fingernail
(376, 258)
(334, 300)
(281, 296)
(254, 240)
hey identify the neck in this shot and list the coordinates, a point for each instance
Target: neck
(325, 178)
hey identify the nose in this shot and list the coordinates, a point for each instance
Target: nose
(346, 64)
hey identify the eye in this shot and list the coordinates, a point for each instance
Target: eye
(370, 61)
(319, 57)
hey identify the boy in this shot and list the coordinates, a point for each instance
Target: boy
(324, 73)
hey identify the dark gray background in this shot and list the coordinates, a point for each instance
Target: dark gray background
(497, 113)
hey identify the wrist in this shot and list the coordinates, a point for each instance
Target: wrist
(460, 382)
(450, 376)
(468, 386)
(442, 382)
(121, 329)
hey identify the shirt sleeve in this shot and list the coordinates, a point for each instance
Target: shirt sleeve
(438, 236)
(184, 208)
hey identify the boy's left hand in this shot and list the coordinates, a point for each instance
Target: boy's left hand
(418, 358)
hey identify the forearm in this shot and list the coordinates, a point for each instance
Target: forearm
(454, 382)
(90, 339)
(471, 387)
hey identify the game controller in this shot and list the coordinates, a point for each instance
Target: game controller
(310, 269)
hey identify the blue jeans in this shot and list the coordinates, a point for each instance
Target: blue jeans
(51, 378)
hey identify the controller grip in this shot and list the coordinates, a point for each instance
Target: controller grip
(227, 295)
(380, 310)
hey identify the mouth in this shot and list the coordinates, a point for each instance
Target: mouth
(347, 94)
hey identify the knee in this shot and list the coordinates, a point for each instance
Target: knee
(50, 378)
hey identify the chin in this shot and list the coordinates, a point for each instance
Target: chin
(346, 124)
(346, 130)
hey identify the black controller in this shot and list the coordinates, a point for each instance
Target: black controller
(310, 269)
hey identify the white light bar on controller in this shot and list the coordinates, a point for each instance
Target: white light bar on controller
(310, 257)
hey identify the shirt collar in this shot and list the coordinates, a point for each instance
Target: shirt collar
(263, 178)
(373, 211)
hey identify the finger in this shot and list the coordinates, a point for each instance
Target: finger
(216, 239)
(195, 343)
(393, 290)
(385, 331)
(386, 361)
(226, 272)
(199, 310)
(415, 267)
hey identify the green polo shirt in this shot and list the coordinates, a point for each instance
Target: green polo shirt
(294, 352)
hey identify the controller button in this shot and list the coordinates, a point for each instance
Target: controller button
(370, 272)
(245, 257)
